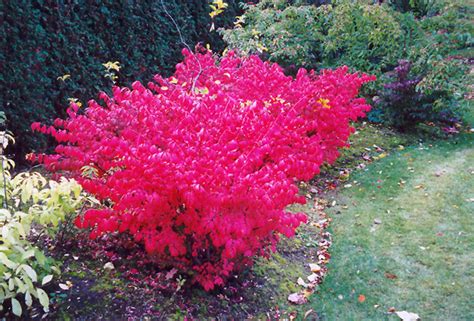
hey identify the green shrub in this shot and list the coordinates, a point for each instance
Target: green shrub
(419, 8)
(368, 37)
(289, 35)
(452, 28)
(44, 41)
(29, 199)
(365, 37)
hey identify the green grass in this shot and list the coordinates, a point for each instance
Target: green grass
(426, 238)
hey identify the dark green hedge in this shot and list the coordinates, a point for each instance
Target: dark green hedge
(43, 40)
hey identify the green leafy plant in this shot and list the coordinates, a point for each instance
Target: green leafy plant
(372, 38)
(30, 202)
(288, 35)
(419, 7)
(363, 36)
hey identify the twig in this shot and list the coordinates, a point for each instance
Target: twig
(5, 202)
(185, 44)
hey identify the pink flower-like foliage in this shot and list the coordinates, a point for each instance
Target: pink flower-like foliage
(200, 167)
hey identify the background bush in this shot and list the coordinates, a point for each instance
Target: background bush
(370, 37)
(46, 39)
(363, 36)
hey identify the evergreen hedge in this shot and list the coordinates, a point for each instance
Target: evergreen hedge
(46, 39)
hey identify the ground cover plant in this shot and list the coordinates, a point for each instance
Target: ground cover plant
(178, 180)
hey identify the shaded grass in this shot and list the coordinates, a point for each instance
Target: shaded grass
(426, 238)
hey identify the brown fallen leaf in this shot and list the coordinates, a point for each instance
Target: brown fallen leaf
(314, 267)
(407, 316)
(307, 313)
(297, 298)
(390, 276)
(307, 292)
(391, 309)
(293, 315)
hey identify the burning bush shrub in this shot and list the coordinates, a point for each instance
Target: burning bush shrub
(201, 166)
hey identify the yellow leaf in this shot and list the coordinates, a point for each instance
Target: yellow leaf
(64, 77)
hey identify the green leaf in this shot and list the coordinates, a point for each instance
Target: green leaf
(42, 297)
(21, 286)
(40, 257)
(28, 299)
(5, 261)
(28, 254)
(16, 307)
(46, 279)
(11, 284)
(31, 273)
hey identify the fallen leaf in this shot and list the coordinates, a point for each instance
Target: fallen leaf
(307, 292)
(171, 273)
(302, 282)
(380, 156)
(312, 278)
(419, 186)
(314, 267)
(390, 275)
(307, 313)
(407, 316)
(391, 309)
(361, 298)
(297, 298)
(293, 315)
(63, 286)
(109, 266)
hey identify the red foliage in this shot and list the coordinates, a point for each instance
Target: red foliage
(203, 178)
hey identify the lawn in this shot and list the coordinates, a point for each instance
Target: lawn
(401, 235)
(404, 238)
